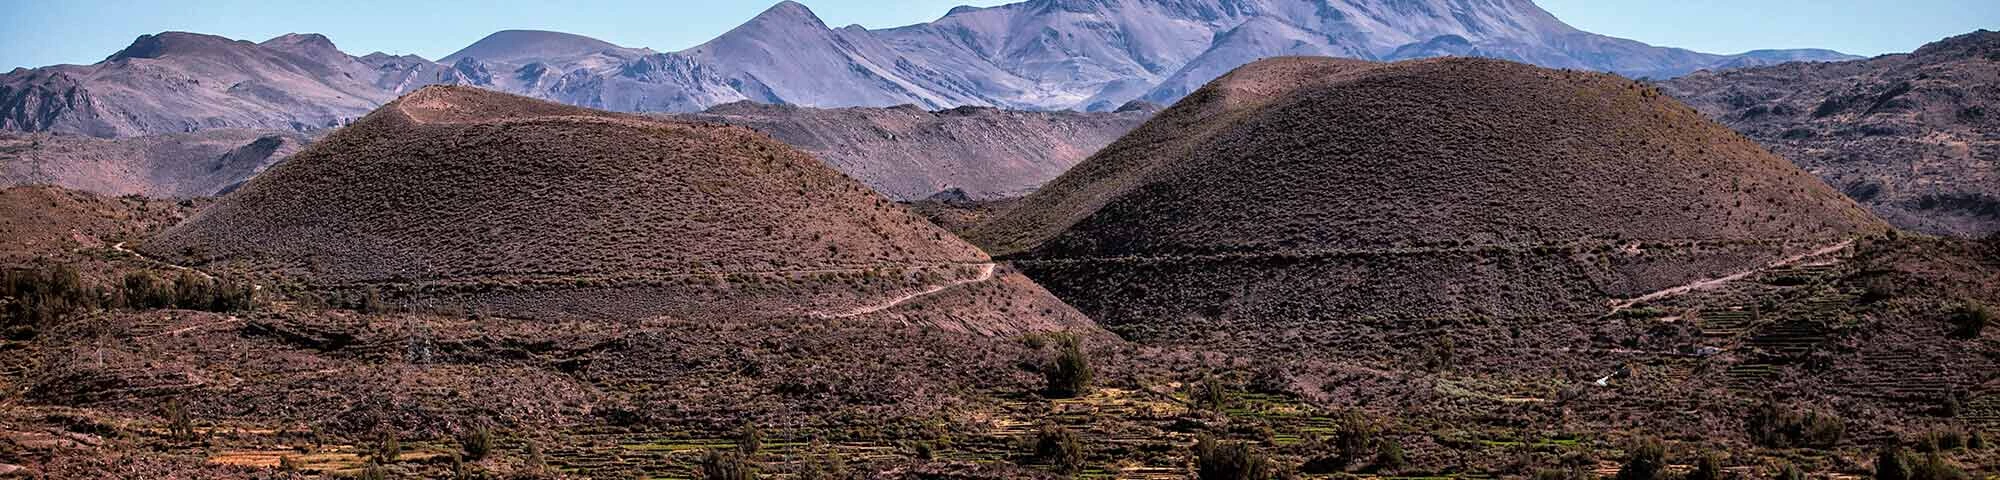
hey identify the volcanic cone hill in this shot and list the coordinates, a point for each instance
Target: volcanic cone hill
(1301, 188)
(455, 197)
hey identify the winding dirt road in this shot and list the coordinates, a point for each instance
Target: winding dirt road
(120, 247)
(1622, 305)
(985, 273)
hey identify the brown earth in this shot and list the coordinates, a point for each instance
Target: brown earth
(199, 164)
(908, 153)
(457, 199)
(1860, 334)
(1319, 190)
(1912, 136)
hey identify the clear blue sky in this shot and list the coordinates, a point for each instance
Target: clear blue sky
(42, 32)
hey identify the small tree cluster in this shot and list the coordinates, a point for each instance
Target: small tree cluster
(1070, 374)
(33, 299)
(1709, 467)
(477, 443)
(187, 291)
(1897, 463)
(1646, 460)
(1774, 426)
(721, 465)
(749, 439)
(1969, 320)
(180, 426)
(1355, 440)
(1219, 460)
(1060, 448)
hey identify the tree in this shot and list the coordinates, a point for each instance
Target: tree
(1218, 460)
(1647, 461)
(1070, 375)
(1708, 468)
(1060, 448)
(720, 465)
(1893, 462)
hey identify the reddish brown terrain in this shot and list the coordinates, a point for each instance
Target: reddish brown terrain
(167, 165)
(1441, 268)
(908, 153)
(1912, 136)
(1427, 188)
(464, 199)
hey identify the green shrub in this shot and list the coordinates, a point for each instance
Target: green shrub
(34, 299)
(180, 425)
(1774, 426)
(1945, 439)
(1935, 467)
(1970, 319)
(188, 291)
(371, 302)
(388, 448)
(1789, 472)
(1893, 463)
(1217, 460)
(477, 443)
(749, 439)
(1389, 456)
(720, 465)
(1060, 448)
(536, 461)
(1646, 460)
(144, 291)
(1213, 396)
(1709, 467)
(1070, 375)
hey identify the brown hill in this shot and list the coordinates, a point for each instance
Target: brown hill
(908, 153)
(1910, 135)
(45, 223)
(1301, 188)
(456, 197)
(195, 164)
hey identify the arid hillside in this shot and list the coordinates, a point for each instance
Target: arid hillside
(459, 198)
(1314, 189)
(166, 165)
(1913, 136)
(43, 223)
(908, 153)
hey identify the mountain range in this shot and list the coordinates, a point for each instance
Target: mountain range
(1036, 55)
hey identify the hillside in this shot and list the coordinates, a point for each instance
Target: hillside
(455, 197)
(908, 153)
(197, 164)
(1424, 188)
(1910, 135)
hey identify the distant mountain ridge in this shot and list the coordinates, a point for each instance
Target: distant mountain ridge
(1909, 135)
(1036, 55)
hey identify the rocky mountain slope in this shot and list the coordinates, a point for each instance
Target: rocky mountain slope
(908, 153)
(180, 82)
(1914, 136)
(1039, 54)
(1444, 187)
(457, 198)
(166, 165)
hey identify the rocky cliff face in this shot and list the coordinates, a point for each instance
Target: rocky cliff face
(1038, 55)
(1913, 136)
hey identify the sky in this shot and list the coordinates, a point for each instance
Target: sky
(44, 32)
